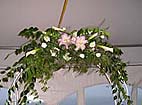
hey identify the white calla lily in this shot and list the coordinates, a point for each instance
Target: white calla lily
(92, 36)
(32, 52)
(46, 38)
(58, 29)
(106, 48)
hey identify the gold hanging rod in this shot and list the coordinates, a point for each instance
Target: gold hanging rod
(63, 12)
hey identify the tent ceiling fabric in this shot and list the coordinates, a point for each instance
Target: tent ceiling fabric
(123, 17)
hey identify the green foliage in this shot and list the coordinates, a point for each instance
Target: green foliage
(43, 55)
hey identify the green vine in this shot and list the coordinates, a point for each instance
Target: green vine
(48, 51)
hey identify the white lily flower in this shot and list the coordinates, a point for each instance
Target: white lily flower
(46, 38)
(98, 55)
(43, 45)
(92, 44)
(32, 52)
(102, 36)
(82, 56)
(58, 29)
(94, 35)
(66, 57)
(106, 48)
(53, 54)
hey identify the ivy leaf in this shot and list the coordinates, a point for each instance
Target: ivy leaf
(8, 68)
(117, 51)
(18, 51)
(1, 86)
(27, 33)
(44, 88)
(9, 98)
(2, 72)
(5, 79)
(33, 79)
(38, 34)
(114, 91)
(115, 97)
(80, 32)
(16, 85)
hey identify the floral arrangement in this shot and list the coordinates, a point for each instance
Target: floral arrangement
(47, 51)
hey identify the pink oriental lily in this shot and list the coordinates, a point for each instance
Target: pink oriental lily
(65, 40)
(80, 43)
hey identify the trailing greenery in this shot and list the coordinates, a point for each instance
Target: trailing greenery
(48, 51)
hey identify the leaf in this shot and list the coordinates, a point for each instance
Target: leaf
(2, 72)
(9, 98)
(1, 86)
(33, 79)
(8, 68)
(12, 89)
(10, 74)
(20, 80)
(80, 32)
(33, 28)
(18, 51)
(26, 91)
(9, 92)
(115, 97)
(44, 88)
(27, 33)
(114, 91)
(38, 34)
(24, 99)
(32, 85)
(7, 103)
(5, 79)
(118, 51)
(16, 85)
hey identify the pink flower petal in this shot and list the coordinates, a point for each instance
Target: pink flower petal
(65, 40)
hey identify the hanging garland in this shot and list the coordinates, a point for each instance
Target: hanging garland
(48, 51)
